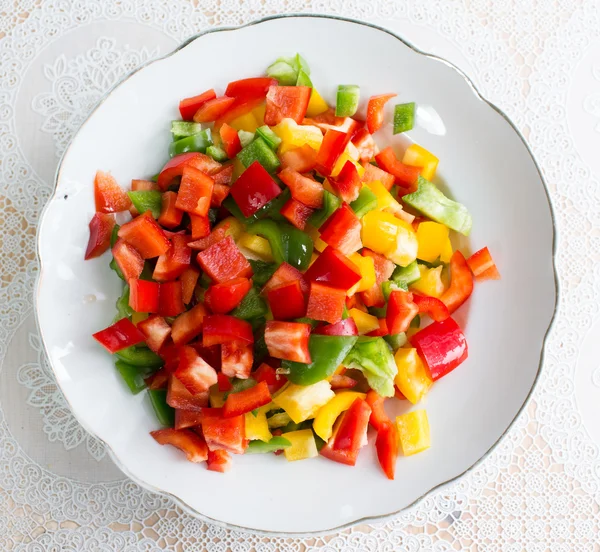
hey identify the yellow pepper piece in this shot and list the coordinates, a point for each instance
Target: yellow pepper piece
(366, 266)
(238, 169)
(432, 237)
(418, 156)
(386, 234)
(259, 114)
(302, 402)
(246, 122)
(236, 228)
(350, 154)
(385, 200)
(316, 104)
(412, 378)
(303, 445)
(407, 245)
(138, 317)
(315, 236)
(413, 432)
(364, 322)
(430, 282)
(328, 414)
(256, 245)
(257, 427)
(216, 397)
(294, 135)
(446, 253)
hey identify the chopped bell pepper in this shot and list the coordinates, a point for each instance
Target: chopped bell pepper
(194, 372)
(218, 460)
(316, 104)
(348, 96)
(189, 106)
(303, 445)
(343, 327)
(223, 433)
(179, 397)
(120, 335)
(333, 145)
(461, 283)
(288, 341)
(413, 432)
(253, 189)
(301, 159)
(294, 136)
(482, 266)
(222, 298)
(246, 122)
(418, 156)
(387, 449)
(170, 216)
(400, 311)
(196, 142)
(347, 185)
(404, 117)
(108, 195)
(375, 111)
(257, 427)
(366, 265)
(174, 262)
(237, 359)
(269, 375)
(304, 189)
(164, 412)
(365, 322)
(143, 295)
(349, 155)
(231, 140)
(412, 379)
(213, 109)
(156, 331)
(259, 150)
(101, 227)
(257, 246)
(286, 102)
(222, 328)
(365, 202)
(447, 252)
(170, 299)
(373, 173)
(330, 204)
(224, 261)
(145, 235)
(188, 324)
(255, 87)
(286, 273)
(325, 303)
(334, 269)
(405, 176)
(181, 129)
(274, 445)
(329, 413)
(302, 402)
(431, 306)
(247, 400)
(342, 230)
(430, 282)
(195, 192)
(297, 213)
(432, 238)
(287, 300)
(269, 136)
(186, 440)
(384, 233)
(139, 356)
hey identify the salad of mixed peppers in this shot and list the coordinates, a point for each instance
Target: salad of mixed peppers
(283, 276)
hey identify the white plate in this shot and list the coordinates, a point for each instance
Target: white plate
(483, 160)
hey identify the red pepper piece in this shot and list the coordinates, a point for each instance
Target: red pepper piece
(378, 418)
(254, 87)
(219, 461)
(222, 298)
(220, 193)
(101, 227)
(304, 189)
(223, 176)
(431, 306)
(211, 354)
(224, 433)
(143, 295)
(247, 400)
(213, 109)
(400, 311)
(325, 303)
(144, 186)
(175, 261)
(461, 283)
(375, 111)
(347, 184)
(286, 273)
(221, 328)
(120, 335)
(404, 175)
(179, 397)
(108, 195)
(169, 352)
(343, 327)
(342, 230)
(355, 302)
(375, 174)
(288, 341)
(195, 192)
(158, 380)
(333, 145)
(236, 359)
(253, 189)
(189, 106)
(365, 144)
(170, 301)
(481, 264)
(194, 372)
(373, 297)
(382, 330)
(339, 381)
(297, 213)
(188, 279)
(329, 121)
(286, 102)
(302, 159)
(155, 330)
(223, 383)
(185, 440)
(231, 140)
(188, 324)
(200, 227)
(239, 107)
(442, 346)
(387, 449)
(266, 373)
(170, 215)
(215, 236)
(334, 269)
(287, 301)
(146, 236)
(187, 418)
(173, 168)
(224, 261)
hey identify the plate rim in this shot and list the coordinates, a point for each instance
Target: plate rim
(365, 519)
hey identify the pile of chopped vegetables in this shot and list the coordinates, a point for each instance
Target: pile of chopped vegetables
(283, 276)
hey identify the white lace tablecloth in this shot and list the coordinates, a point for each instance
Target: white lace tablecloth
(538, 60)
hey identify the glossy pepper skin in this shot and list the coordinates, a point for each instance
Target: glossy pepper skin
(253, 189)
(461, 283)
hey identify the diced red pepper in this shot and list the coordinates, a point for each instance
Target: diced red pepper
(387, 449)
(382, 330)
(405, 176)
(266, 373)
(185, 440)
(343, 327)
(189, 106)
(347, 184)
(375, 111)
(431, 306)
(297, 213)
(188, 324)
(373, 297)
(211, 354)
(222, 298)
(334, 269)
(179, 397)
(155, 330)
(158, 380)
(170, 301)
(461, 282)
(215, 236)
(220, 193)
(224, 433)
(120, 335)
(194, 372)
(481, 264)
(401, 310)
(254, 87)
(174, 167)
(188, 279)
(224, 261)
(231, 140)
(195, 192)
(329, 121)
(340, 381)
(223, 176)
(187, 418)
(286, 273)
(222, 328)
(286, 102)
(375, 174)
(302, 159)
(170, 215)
(146, 236)
(378, 418)
(253, 189)
(325, 303)
(101, 227)
(143, 295)
(239, 107)
(175, 261)
(355, 302)
(287, 300)
(236, 359)
(442, 346)
(223, 383)
(200, 226)
(288, 340)
(213, 109)
(247, 400)
(365, 144)
(333, 145)
(170, 354)
(144, 186)
(342, 230)
(304, 189)
(219, 461)
(108, 195)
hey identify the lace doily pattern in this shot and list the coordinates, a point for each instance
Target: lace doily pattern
(537, 60)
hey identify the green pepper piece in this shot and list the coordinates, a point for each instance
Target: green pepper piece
(139, 356)
(379, 312)
(304, 320)
(285, 74)
(262, 272)
(271, 210)
(205, 280)
(281, 419)
(288, 244)
(319, 442)
(260, 447)
(389, 286)
(164, 413)
(434, 204)
(269, 136)
(114, 266)
(197, 142)
(123, 308)
(373, 357)
(182, 129)
(252, 306)
(146, 200)
(406, 275)
(217, 153)
(330, 204)
(114, 236)
(404, 117)
(327, 353)
(303, 79)
(396, 341)
(155, 177)
(365, 202)
(260, 347)
(133, 376)
(347, 99)
(257, 323)
(259, 150)
(238, 385)
(345, 313)
(293, 426)
(245, 137)
(416, 322)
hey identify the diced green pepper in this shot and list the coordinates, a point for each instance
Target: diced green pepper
(114, 236)
(345, 313)
(197, 142)
(285, 74)
(372, 356)
(262, 272)
(404, 117)
(139, 356)
(164, 413)
(330, 204)
(123, 308)
(280, 419)
(303, 79)
(416, 322)
(365, 202)
(269, 136)
(396, 341)
(347, 99)
(406, 275)
(183, 129)
(238, 385)
(205, 280)
(389, 286)
(114, 266)
(252, 306)
(379, 312)
(260, 447)
(257, 323)
(217, 153)
(304, 320)
(133, 376)
(259, 150)
(245, 137)
(260, 347)
(146, 200)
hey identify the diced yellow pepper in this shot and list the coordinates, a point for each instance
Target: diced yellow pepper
(386, 234)
(316, 104)
(364, 322)
(259, 114)
(257, 427)
(418, 156)
(407, 246)
(328, 414)
(366, 266)
(315, 236)
(260, 247)
(138, 317)
(430, 282)
(413, 432)
(294, 135)
(216, 397)
(313, 258)
(385, 200)
(349, 154)
(303, 445)
(246, 122)
(412, 378)
(302, 402)
(236, 228)
(238, 169)
(432, 237)
(446, 253)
